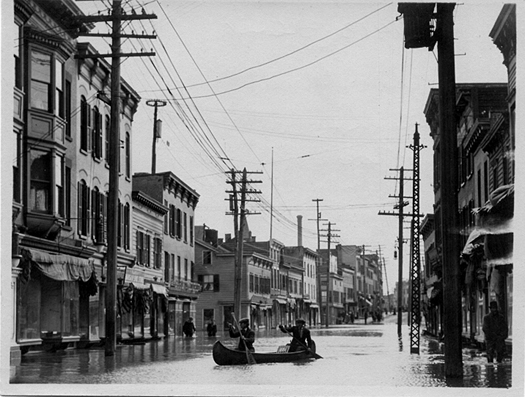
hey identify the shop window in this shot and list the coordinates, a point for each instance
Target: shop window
(70, 308)
(28, 309)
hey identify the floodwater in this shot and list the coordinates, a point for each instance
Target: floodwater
(354, 356)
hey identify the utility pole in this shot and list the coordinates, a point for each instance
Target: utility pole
(418, 33)
(116, 18)
(415, 272)
(399, 206)
(328, 290)
(319, 261)
(156, 103)
(239, 213)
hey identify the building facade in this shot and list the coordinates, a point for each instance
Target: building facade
(60, 179)
(178, 244)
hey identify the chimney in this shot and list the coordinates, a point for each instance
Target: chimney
(299, 230)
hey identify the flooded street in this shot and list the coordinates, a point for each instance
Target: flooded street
(357, 355)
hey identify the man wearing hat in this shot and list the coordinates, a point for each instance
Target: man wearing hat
(245, 334)
(301, 335)
(496, 331)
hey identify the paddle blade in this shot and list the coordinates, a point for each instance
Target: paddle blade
(250, 358)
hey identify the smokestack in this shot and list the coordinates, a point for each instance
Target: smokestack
(299, 230)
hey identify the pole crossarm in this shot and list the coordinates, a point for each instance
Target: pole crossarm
(113, 55)
(110, 18)
(123, 35)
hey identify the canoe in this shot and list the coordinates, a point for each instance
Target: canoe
(223, 355)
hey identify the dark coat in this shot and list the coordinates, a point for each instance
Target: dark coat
(188, 328)
(249, 338)
(212, 329)
(495, 327)
(301, 337)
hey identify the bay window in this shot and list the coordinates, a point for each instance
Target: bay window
(40, 80)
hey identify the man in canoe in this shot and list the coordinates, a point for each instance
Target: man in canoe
(248, 336)
(301, 335)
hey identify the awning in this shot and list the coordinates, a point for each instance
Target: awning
(159, 289)
(59, 267)
(281, 301)
(314, 306)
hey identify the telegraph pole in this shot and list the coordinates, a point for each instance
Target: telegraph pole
(318, 264)
(328, 291)
(116, 18)
(418, 33)
(240, 212)
(156, 103)
(415, 271)
(399, 206)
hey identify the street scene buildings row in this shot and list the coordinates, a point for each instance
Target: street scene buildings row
(168, 269)
(486, 130)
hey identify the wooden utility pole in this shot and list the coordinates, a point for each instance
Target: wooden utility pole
(116, 19)
(238, 210)
(319, 260)
(449, 202)
(329, 236)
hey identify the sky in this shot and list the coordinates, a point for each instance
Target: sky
(321, 92)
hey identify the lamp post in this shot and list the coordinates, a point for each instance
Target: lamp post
(156, 103)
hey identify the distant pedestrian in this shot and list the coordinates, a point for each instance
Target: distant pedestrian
(496, 331)
(352, 317)
(188, 328)
(211, 328)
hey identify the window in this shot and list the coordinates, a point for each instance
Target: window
(166, 266)
(59, 186)
(68, 108)
(128, 155)
(206, 257)
(85, 115)
(172, 268)
(166, 219)
(17, 46)
(252, 281)
(98, 220)
(157, 253)
(179, 270)
(126, 225)
(178, 224)
(40, 189)
(209, 282)
(67, 191)
(185, 228)
(186, 270)
(108, 131)
(96, 134)
(17, 184)
(172, 220)
(59, 88)
(143, 248)
(83, 208)
(191, 230)
(40, 97)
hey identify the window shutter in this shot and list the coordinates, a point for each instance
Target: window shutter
(216, 282)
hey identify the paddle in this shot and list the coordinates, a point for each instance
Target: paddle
(303, 345)
(249, 357)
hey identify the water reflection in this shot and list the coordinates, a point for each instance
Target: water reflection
(351, 357)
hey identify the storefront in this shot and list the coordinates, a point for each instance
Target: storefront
(54, 300)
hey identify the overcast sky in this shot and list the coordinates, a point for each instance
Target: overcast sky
(326, 86)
